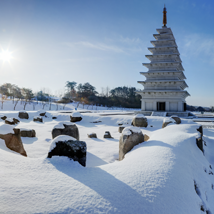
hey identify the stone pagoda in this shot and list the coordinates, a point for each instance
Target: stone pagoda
(165, 81)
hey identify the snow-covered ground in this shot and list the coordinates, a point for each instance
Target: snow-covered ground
(167, 174)
(8, 105)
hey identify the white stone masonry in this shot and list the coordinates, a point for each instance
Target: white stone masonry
(165, 81)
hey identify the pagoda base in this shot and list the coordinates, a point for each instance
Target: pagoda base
(168, 114)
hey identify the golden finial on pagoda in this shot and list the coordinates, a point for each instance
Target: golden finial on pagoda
(164, 16)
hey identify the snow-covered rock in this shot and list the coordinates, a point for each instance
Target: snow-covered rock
(41, 113)
(140, 121)
(27, 132)
(131, 136)
(68, 146)
(167, 120)
(38, 119)
(23, 115)
(107, 135)
(76, 114)
(130, 130)
(76, 117)
(60, 138)
(65, 128)
(12, 139)
(11, 121)
(176, 118)
(61, 125)
(139, 116)
(121, 127)
(92, 135)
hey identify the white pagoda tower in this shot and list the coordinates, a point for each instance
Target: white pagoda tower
(165, 81)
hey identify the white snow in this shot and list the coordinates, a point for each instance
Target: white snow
(156, 177)
(139, 116)
(130, 129)
(174, 116)
(41, 111)
(6, 129)
(25, 129)
(60, 138)
(61, 126)
(37, 117)
(168, 119)
(76, 114)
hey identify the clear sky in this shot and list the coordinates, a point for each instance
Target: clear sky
(103, 42)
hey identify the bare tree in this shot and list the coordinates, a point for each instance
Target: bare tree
(4, 92)
(27, 94)
(17, 96)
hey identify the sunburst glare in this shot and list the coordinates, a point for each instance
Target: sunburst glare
(6, 55)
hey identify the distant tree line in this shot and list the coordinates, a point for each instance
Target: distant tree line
(86, 94)
(25, 96)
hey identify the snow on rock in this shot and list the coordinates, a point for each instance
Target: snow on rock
(76, 114)
(35, 117)
(130, 129)
(70, 148)
(140, 121)
(60, 138)
(25, 129)
(129, 138)
(61, 126)
(174, 116)
(139, 116)
(168, 119)
(10, 119)
(6, 129)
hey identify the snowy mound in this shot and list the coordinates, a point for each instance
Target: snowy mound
(6, 129)
(76, 114)
(60, 138)
(130, 129)
(61, 126)
(41, 111)
(139, 116)
(168, 119)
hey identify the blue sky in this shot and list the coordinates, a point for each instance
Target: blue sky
(103, 42)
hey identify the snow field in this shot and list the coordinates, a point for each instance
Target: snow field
(157, 176)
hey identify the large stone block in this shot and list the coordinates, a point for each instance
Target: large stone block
(176, 118)
(38, 119)
(11, 121)
(65, 128)
(140, 121)
(69, 147)
(167, 121)
(131, 136)
(13, 141)
(107, 135)
(76, 117)
(23, 115)
(28, 133)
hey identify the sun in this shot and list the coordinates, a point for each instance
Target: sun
(6, 55)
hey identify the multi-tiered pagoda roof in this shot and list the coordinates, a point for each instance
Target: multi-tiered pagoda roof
(165, 77)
